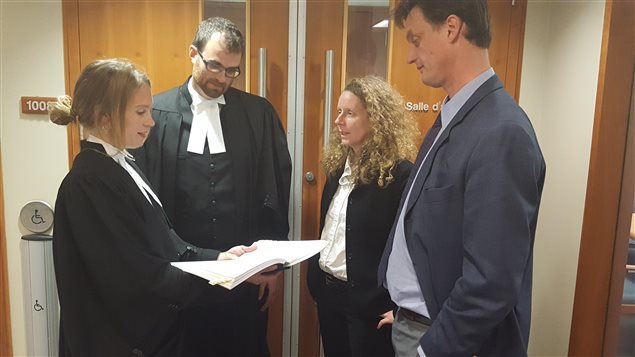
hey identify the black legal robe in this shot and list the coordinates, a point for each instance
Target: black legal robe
(260, 159)
(112, 250)
(251, 204)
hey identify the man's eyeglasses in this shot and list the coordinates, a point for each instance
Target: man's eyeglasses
(215, 67)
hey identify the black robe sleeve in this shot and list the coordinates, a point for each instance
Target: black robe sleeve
(112, 261)
(275, 179)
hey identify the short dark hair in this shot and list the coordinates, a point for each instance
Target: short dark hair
(474, 13)
(232, 37)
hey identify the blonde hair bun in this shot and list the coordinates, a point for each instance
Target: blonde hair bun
(61, 112)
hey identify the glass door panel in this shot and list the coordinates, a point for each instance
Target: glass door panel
(367, 40)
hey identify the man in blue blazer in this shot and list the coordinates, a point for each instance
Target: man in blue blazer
(458, 262)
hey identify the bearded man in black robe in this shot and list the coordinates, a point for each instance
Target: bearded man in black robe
(218, 159)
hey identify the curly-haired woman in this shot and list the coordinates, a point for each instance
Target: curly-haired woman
(367, 168)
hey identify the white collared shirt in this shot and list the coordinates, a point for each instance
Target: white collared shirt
(206, 123)
(333, 256)
(120, 157)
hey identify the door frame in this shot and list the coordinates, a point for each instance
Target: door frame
(6, 343)
(600, 220)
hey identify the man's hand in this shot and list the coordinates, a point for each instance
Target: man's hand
(386, 319)
(236, 252)
(267, 280)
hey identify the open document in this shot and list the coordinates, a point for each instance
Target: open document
(229, 273)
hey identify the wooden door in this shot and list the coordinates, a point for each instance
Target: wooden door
(324, 32)
(265, 25)
(142, 31)
(268, 29)
(327, 24)
(601, 265)
(156, 35)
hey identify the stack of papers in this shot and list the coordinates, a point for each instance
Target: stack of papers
(230, 273)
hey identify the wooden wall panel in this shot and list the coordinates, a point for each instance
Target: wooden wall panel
(271, 32)
(238, 13)
(138, 30)
(600, 221)
(406, 79)
(508, 32)
(168, 62)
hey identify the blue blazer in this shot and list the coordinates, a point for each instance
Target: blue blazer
(470, 224)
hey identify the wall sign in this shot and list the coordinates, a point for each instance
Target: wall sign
(423, 107)
(37, 216)
(37, 105)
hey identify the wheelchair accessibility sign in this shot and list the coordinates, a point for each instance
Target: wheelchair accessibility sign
(37, 216)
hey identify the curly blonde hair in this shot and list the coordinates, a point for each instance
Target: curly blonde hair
(392, 136)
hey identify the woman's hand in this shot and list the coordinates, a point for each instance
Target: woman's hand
(386, 319)
(236, 252)
(267, 280)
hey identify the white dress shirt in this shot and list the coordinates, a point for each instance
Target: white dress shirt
(333, 256)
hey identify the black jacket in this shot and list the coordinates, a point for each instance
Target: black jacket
(370, 214)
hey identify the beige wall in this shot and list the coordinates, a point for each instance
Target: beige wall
(34, 154)
(558, 88)
(559, 80)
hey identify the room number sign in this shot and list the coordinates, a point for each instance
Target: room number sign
(37, 105)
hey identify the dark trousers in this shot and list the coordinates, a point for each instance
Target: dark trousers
(233, 326)
(346, 333)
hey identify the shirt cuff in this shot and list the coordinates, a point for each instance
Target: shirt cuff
(420, 351)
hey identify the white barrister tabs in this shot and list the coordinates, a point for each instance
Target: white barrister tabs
(38, 276)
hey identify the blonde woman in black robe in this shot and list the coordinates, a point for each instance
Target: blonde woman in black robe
(112, 244)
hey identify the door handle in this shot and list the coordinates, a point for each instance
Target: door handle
(328, 96)
(262, 72)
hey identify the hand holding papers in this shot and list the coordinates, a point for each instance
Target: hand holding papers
(267, 281)
(230, 273)
(235, 252)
